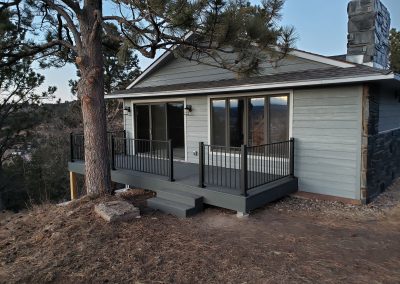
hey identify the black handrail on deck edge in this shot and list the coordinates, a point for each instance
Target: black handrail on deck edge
(276, 160)
(115, 148)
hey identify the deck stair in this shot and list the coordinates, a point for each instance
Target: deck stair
(178, 203)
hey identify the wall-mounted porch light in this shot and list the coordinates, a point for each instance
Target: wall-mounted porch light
(188, 109)
(127, 110)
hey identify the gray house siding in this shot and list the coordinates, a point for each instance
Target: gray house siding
(327, 129)
(326, 124)
(180, 70)
(196, 126)
(389, 109)
(128, 119)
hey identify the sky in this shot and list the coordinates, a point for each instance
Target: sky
(321, 27)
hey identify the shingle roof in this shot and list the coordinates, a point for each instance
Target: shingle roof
(290, 77)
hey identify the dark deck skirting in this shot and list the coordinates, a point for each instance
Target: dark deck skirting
(186, 180)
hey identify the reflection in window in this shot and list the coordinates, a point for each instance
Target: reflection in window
(252, 121)
(256, 121)
(236, 120)
(279, 119)
(158, 119)
(218, 114)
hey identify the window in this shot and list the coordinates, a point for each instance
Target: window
(236, 122)
(252, 120)
(219, 122)
(278, 119)
(257, 121)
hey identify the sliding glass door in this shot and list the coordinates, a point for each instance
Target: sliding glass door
(161, 121)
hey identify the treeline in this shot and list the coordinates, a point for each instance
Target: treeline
(36, 168)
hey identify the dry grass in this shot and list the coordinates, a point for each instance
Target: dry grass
(290, 241)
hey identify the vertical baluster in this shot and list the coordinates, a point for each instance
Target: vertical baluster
(201, 164)
(220, 165)
(234, 165)
(212, 163)
(244, 172)
(225, 170)
(230, 168)
(208, 164)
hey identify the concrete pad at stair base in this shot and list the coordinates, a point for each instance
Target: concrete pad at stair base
(117, 211)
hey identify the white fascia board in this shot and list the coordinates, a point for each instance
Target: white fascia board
(254, 87)
(321, 59)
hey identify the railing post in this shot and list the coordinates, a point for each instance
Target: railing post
(124, 142)
(201, 164)
(171, 161)
(292, 157)
(71, 145)
(113, 153)
(244, 186)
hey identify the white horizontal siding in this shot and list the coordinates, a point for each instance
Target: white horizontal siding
(327, 132)
(181, 70)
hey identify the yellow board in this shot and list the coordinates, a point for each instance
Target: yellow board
(73, 186)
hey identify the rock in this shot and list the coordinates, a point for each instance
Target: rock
(117, 211)
(121, 191)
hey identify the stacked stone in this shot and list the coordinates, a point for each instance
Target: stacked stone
(368, 31)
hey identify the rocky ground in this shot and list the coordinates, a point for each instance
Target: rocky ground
(293, 240)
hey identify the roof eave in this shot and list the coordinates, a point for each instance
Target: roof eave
(254, 87)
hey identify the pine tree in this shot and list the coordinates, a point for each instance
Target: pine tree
(395, 50)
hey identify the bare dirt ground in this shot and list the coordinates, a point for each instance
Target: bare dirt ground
(292, 240)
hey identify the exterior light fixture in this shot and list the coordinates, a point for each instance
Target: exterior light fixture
(127, 110)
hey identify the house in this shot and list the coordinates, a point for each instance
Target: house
(325, 126)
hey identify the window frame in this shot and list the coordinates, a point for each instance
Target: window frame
(247, 98)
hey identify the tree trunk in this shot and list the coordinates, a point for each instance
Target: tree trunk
(91, 92)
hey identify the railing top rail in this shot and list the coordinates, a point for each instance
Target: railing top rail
(108, 132)
(219, 146)
(148, 140)
(263, 145)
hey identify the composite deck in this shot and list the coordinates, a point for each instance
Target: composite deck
(186, 177)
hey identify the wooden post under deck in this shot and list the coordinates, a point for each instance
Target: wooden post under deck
(73, 185)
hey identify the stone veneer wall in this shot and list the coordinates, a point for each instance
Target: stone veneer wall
(383, 161)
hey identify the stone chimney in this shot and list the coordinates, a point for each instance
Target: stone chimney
(368, 33)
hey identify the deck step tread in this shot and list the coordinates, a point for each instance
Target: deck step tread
(172, 207)
(182, 197)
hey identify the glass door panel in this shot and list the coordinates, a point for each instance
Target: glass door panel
(142, 127)
(236, 122)
(256, 118)
(218, 116)
(158, 122)
(142, 113)
(176, 128)
(279, 119)
(158, 126)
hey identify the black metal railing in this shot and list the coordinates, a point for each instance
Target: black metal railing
(149, 156)
(77, 147)
(219, 166)
(77, 143)
(246, 167)
(268, 163)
